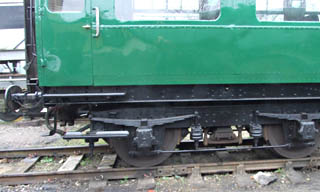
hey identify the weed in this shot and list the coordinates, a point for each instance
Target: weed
(165, 178)
(179, 178)
(279, 171)
(86, 161)
(47, 160)
(124, 181)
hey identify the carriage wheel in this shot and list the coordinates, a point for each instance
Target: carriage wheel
(170, 140)
(275, 136)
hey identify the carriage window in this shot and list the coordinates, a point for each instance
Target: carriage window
(288, 10)
(142, 10)
(66, 5)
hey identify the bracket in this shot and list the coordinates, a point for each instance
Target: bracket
(291, 117)
(307, 129)
(144, 138)
(138, 122)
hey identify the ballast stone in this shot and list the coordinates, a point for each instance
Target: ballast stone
(97, 185)
(295, 177)
(264, 178)
(146, 183)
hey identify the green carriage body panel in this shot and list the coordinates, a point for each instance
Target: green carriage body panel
(234, 49)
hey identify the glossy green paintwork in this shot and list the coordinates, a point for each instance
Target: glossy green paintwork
(65, 47)
(232, 50)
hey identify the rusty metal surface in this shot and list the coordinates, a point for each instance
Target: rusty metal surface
(69, 150)
(120, 173)
(52, 151)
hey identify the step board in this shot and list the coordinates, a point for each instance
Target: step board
(71, 163)
(23, 166)
(107, 161)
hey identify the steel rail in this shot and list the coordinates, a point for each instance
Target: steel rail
(158, 171)
(224, 149)
(69, 150)
(52, 151)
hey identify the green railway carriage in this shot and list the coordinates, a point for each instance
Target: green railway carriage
(149, 72)
(233, 48)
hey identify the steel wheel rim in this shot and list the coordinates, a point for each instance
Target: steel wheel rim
(276, 137)
(171, 139)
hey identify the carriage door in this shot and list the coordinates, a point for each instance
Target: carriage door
(106, 70)
(66, 41)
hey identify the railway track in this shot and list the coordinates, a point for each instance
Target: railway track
(70, 150)
(52, 151)
(158, 171)
(26, 177)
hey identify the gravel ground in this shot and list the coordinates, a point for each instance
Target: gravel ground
(218, 182)
(15, 135)
(228, 182)
(26, 133)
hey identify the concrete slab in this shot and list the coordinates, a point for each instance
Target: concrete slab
(71, 163)
(107, 161)
(23, 166)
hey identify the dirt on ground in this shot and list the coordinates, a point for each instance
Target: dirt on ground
(29, 134)
(32, 133)
(16, 135)
(216, 183)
